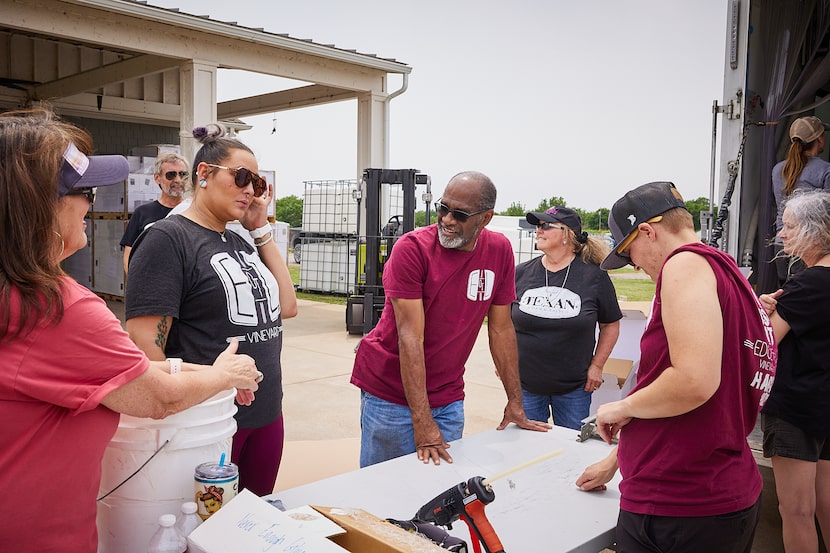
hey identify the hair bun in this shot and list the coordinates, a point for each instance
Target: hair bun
(208, 133)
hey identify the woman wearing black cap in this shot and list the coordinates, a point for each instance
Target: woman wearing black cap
(562, 297)
(67, 368)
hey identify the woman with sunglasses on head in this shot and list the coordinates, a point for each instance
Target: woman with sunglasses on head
(562, 297)
(194, 285)
(67, 368)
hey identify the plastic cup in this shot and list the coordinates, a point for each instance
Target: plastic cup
(215, 485)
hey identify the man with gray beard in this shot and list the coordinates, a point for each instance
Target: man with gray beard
(171, 175)
(440, 282)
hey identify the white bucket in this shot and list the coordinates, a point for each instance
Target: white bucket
(128, 517)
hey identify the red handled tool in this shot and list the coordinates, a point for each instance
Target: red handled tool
(465, 501)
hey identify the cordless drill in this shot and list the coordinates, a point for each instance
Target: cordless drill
(466, 501)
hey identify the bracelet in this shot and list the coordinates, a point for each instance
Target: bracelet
(175, 365)
(261, 231)
(260, 244)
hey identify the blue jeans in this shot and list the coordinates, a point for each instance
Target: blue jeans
(568, 409)
(386, 428)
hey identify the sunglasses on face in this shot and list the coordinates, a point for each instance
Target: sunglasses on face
(460, 216)
(170, 175)
(243, 177)
(625, 245)
(548, 226)
(88, 193)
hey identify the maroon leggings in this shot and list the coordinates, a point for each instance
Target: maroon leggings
(258, 452)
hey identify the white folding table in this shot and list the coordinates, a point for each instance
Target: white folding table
(536, 509)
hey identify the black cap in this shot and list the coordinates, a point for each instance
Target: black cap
(557, 214)
(638, 206)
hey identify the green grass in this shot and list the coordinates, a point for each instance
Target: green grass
(632, 289)
(294, 270)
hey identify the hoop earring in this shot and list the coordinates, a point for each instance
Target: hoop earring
(203, 183)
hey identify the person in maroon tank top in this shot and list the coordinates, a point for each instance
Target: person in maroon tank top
(707, 365)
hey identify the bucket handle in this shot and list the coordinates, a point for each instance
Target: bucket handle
(156, 452)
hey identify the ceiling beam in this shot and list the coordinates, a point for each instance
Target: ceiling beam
(119, 109)
(283, 100)
(130, 68)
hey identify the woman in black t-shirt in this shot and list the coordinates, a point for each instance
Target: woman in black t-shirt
(562, 297)
(196, 285)
(796, 418)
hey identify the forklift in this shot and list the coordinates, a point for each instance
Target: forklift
(364, 307)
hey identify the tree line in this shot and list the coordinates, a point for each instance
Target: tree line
(290, 210)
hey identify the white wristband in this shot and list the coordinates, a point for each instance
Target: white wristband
(263, 242)
(175, 365)
(261, 231)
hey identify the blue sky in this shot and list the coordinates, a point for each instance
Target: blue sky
(583, 100)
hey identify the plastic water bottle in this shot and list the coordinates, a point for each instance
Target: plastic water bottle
(187, 522)
(166, 539)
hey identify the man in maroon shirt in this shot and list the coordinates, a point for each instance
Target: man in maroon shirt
(440, 282)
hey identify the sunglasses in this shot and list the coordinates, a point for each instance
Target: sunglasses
(88, 193)
(460, 216)
(170, 175)
(622, 249)
(548, 226)
(243, 177)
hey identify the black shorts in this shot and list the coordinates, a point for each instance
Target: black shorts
(729, 533)
(783, 439)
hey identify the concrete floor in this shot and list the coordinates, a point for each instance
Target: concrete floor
(321, 407)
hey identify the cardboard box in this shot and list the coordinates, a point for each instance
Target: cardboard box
(107, 258)
(366, 533)
(249, 523)
(619, 368)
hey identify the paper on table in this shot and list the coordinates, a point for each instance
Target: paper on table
(313, 523)
(249, 523)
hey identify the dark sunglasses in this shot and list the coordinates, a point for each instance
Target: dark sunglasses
(170, 175)
(243, 177)
(88, 193)
(457, 214)
(548, 226)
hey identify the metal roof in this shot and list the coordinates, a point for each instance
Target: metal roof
(204, 23)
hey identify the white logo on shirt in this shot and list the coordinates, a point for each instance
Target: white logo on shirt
(480, 285)
(550, 302)
(251, 291)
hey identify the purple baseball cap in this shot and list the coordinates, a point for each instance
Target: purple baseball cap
(81, 171)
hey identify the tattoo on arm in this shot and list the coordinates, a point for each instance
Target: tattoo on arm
(163, 329)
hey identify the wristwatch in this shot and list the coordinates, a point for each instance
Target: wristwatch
(175, 365)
